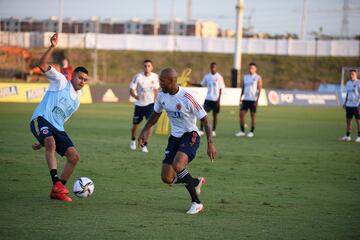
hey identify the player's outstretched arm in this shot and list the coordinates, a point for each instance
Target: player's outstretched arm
(211, 150)
(145, 132)
(44, 60)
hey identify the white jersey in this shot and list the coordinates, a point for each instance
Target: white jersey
(182, 110)
(353, 93)
(60, 100)
(145, 86)
(214, 82)
(250, 86)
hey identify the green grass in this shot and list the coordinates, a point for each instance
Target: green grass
(294, 180)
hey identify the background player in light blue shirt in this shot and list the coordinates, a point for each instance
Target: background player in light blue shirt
(47, 122)
(352, 105)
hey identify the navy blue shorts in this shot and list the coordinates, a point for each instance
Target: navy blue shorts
(211, 106)
(141, 112)
(246, 105)
(41, 129)
(352, 112)
(187, 143)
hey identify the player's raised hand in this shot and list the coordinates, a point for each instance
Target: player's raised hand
(54, 40)
(211, 151)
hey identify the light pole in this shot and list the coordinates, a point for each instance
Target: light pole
(235, 71)
(61, 6)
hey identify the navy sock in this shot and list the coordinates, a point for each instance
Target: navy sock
(54, 176)
(347, 134)
(242, 128)
(185, 177)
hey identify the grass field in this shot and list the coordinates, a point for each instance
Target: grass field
(294, 180)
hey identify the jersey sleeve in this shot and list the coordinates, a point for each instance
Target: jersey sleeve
(156, 83)
(222, 82)
(194, 106)
(133, 83)
(157, 105)
(57, 80)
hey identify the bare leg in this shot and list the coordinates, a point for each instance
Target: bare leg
(242, 119)
(214, 120)
(133, 130)
(168, 173)
(50, 147)
(253, 120)
(73, 157)
(348, 125)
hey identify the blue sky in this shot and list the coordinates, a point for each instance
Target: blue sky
(277, 16)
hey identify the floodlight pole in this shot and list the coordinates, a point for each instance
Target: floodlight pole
(61, 9)
(235, 71)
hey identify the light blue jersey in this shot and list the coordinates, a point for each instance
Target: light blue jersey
(60, 100)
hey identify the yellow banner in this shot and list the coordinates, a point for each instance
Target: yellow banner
(33, 92)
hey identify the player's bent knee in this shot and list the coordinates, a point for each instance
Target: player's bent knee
(74, 158)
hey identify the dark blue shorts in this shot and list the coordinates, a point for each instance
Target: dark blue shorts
(187, 143)
(141, 112)
(352, 112)
(211, 106)
(41, 129)
(246, 105)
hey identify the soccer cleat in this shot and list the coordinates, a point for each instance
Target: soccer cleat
(345, 138)
(133, 145)
(195, 208)
(60, 196)
(201, 133)
(198, 187)
(240, 134)
(250, 134)
(144, 149)
(357, 139)
(213, 133)
(58, 187)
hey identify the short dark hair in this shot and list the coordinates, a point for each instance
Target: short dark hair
(81, 69)
(147, 61)
(353, 70)
(252, 64)
(213, 63)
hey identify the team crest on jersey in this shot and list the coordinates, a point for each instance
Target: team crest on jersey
(178, 106)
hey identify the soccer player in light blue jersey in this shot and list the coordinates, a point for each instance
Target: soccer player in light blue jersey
(47, 122)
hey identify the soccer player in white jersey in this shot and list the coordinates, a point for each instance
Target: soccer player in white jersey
(183, 110)
(251, 89)
(215, 83)
(352, 105)
(47, 122)
(144, 88)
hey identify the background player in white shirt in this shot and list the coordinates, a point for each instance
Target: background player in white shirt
(251, 88)
(352, 105)
(47, 122)
(215, 83)
(182, 110)
(144, 88)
